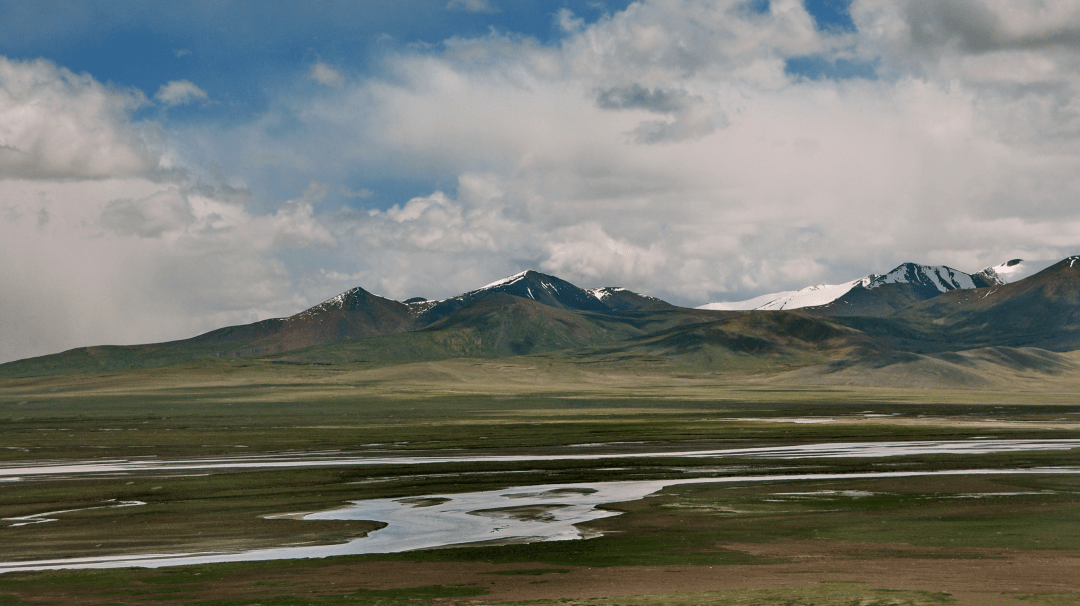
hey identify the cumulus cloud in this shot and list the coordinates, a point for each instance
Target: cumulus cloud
(55, 124)
(668, 149)
(567, 21)
(180, 92)
(691, 118)
(101, 247)
(665, 148)
(976, 26)
(326, 75)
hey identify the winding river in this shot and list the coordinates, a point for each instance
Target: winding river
(520, 514)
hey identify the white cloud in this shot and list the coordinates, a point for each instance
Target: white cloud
(180, 92)
(100, 247)
(55, 124)
(762, 181)
(473, 6)
(150, 217)
(133, 260)
(326, 75)
(664, 149)
(567, 21)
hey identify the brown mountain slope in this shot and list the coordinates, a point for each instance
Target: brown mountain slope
(879, 302)
(984, 368)
(749, 340)
(355, 314)
(1042, 311)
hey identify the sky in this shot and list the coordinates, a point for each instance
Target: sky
(170, 168)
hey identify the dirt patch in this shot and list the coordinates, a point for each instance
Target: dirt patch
(977, 578)
(976, 581)
(424, 501)
(526, 513)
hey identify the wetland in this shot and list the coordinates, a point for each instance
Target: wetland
(703, 489)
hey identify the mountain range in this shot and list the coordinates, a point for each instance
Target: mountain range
(925, 281)
(929, 314)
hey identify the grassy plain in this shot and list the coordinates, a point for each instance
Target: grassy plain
(894, 541)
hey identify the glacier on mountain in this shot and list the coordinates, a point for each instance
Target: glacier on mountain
(939, 277)
(810, 296)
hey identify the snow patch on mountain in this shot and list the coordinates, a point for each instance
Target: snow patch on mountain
(605, 292)
(810, 296)
(507, 280)
(748, 304)
(331, 304)
(337, 302)
(939, 276)
(418, 307)
(1009, 271)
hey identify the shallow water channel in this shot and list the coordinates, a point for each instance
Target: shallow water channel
(532, 513)
(336, 458)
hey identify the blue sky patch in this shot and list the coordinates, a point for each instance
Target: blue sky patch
(831, 15)
(817, 67)
(232, 48)
(760, 7)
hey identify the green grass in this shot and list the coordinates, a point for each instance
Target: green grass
(954, 513)
(232, 407)
(1051, 599)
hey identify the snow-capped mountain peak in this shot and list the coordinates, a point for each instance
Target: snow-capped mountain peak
(348, 299)
(940, 277)
(528, 284)
(930, 279)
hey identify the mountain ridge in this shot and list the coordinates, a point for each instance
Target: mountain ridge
(927, 281)
(913, 310)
